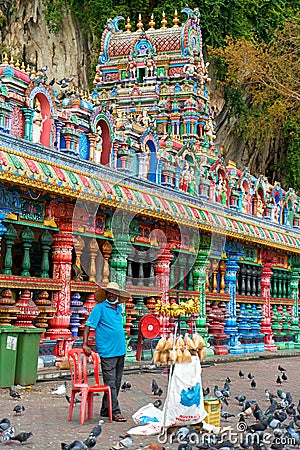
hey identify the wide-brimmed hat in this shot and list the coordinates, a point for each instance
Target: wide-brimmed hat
(100, 294)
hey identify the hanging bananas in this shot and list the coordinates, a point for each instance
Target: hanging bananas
(189, 307)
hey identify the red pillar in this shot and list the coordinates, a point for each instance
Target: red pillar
(162, 281)
(62, 262)
(267, 258)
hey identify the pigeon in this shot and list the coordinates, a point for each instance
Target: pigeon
(220, 395)
(8, 434)
(280, 415)
(4, 424)
(240, 398)
(291, 410)
(184, 446)
(241, 374)
(126, 386)
(260, 426)
(156, 390)
(21, 437)
(279, 381)
(228, 380)
(253, 384)
(281, 369)
(51, 83)
(250, 376)
(76, 445)
(97, 430)
(225, 415)
(298, 407)
(206, 392)
(18, 409)
(14, 394)
(272, 408)
(125, 442)
(60, 390)
(90, 442)
(284, 377)
(281, 394)
(157, 403)
(76, 400)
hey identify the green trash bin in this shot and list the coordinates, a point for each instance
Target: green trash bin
(9, 336)
(27, 355)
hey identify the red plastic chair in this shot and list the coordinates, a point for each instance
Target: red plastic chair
(78, 362)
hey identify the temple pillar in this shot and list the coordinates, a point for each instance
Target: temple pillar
(199, 279)
(294, 289)
(10, 236)
(267, 258)
(28, 114)
(234, 253)
(162, 281)
(62, 246)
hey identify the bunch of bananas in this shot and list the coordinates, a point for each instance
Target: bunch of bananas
(174, 310)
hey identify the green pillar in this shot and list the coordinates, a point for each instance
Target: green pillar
(9, 238)
(27, 237)
(294, 290)
(120, 227)
(46, 242)
(199, 277)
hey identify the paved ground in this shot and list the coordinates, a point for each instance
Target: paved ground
(46, 415)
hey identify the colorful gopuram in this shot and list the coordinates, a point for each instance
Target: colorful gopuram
(125, 184)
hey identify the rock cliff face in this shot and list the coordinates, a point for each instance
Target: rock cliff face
(24, 31)
(68, 53)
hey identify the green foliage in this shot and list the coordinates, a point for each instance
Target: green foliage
(292, 140)
(54, 14)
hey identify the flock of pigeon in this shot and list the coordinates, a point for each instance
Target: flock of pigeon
(278, 427)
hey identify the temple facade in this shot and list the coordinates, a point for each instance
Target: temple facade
(125, 184)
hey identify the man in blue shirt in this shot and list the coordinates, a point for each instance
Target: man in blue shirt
(106, 319)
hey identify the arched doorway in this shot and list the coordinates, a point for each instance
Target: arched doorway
(43, 121)
(152, 173)
(104, 143)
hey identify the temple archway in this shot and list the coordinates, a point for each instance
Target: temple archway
(42, 119)
(103, 143)
(152, 173)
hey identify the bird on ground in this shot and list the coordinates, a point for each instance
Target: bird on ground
(157, 403)
(272, 408)
(75, 445)
(289, 398)
(21, 437)
(220, 395)
(97, 430)
(253, 384)
(206, 391)
(279, 381)
(76, 400)
(184, 446)
(90, 442)
(298, 407)
(18, 410)
(226, 415)
(281, 394)
(241, 374)
(250, 376)
(8, 434)
(291, 410)
(125, 442)
(280, 415)
(13, 394)
(257, 412)
(281, 369)
(156, 390)
(126, 386)
(260, 426)
(284, 377)
(60, 390)
(227, 386)
(274, 423)
(4, 424)
(240, 398)
(228, 380)
(293, 434)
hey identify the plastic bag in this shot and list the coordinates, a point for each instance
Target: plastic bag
(150, 429)
(185, 404)
(147, 414)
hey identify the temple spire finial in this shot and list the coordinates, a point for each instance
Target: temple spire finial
(164, 21)
(5, 59)
(140, 23)
(152, 22)
(128, 26)
(175, 20)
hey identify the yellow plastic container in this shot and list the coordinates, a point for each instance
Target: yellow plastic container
(213, 408)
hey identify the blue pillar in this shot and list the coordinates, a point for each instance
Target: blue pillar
(234, 253)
